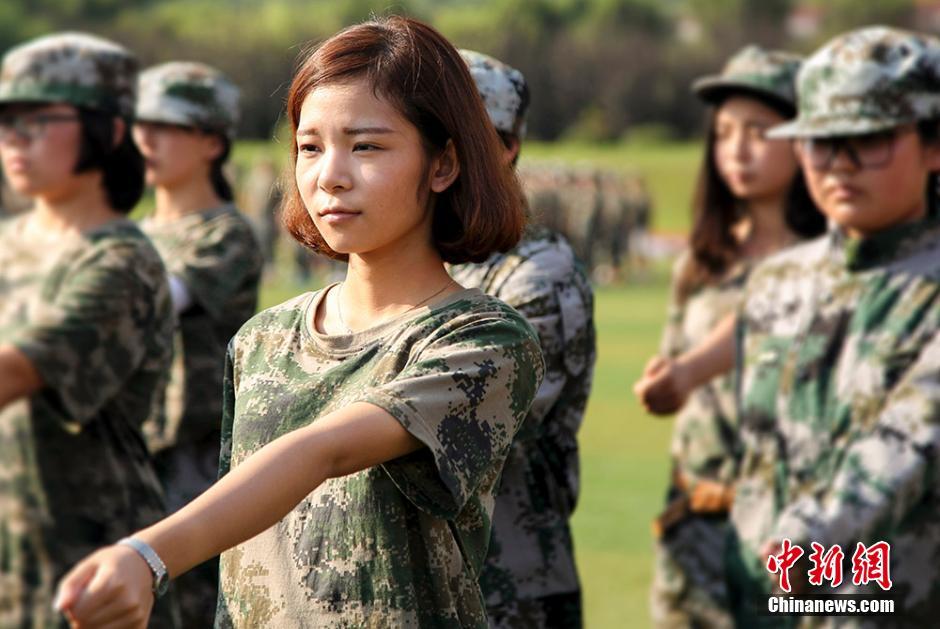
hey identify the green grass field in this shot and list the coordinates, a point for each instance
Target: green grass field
(623, 451)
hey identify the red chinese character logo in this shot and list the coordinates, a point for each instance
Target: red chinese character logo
(872, 564)
(789, 554)
(826, 566)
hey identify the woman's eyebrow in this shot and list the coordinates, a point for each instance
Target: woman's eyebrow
(347, 131)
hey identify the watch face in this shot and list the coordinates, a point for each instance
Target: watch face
(162, 585)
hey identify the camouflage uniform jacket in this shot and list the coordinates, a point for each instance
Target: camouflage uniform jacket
(93, 315)
(216, 256)
(400, 544)
(704, 439)
(531, 553)
(840, 407)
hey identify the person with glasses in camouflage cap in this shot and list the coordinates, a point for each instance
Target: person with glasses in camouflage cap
(184, 127)
(839, 341)
(530, 578)
(86, 321)
(751, 201)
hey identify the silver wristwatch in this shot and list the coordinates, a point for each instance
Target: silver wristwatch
(161, 580)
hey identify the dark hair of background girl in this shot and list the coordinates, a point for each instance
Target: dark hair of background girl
(712, 245)
(122, 166)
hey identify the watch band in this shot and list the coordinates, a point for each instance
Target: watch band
(161, 579)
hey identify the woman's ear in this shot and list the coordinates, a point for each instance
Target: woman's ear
(444, 168)
(214, 145)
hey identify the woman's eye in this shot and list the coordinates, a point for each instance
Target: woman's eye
(364, 146)
(308, 148)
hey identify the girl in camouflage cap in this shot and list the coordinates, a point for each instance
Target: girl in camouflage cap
(365, 424)
(185, 123)
(86, 322)
(750, 202)
(840, 346)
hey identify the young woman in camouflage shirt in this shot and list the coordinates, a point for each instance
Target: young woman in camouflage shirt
(185, 124)
(751, 201)
(365, 425)
(86, 323)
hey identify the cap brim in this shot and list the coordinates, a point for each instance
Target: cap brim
(714, 89)
(831, 127)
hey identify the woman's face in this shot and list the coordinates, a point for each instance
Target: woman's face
(173, 154)
(363, 173)
(871, 182)
(39, 149)
(753, 167)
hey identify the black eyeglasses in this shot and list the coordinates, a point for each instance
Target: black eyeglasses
(870, 150)
(30, 126)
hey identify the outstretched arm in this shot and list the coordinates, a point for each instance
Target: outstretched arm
(667, 382)
(115, 583)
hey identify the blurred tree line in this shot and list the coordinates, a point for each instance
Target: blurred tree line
(599, 69)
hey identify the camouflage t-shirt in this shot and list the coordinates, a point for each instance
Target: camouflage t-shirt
(93, 315)
(216, 256)
(400, 544)
(704, 439)
(531, 553)
(839, 410)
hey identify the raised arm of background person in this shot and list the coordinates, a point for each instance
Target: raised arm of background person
(115, 583)
(18, 376)
(667, 382)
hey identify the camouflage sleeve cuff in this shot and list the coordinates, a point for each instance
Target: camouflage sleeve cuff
(426, 477)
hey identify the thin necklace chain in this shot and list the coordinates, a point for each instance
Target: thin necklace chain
(339, 303)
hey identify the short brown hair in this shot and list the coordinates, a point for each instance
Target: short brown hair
(420, 73)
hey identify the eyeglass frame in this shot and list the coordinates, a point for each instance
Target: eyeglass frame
(21, 122)
(848, 144)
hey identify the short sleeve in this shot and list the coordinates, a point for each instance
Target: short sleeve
(222, 268)
(89, 334)
(672, 344)
(464, 397)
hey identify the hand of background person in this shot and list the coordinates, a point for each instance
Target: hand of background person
(664, 386)
(112, 588)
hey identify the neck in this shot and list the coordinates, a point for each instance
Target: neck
(764, 229)
(383, 284)
(187, 197)
(85, 206)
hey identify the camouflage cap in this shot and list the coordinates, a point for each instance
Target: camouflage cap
(76, 68)
(503, 89)
(191, 94)
(864, 81)
(767, 74)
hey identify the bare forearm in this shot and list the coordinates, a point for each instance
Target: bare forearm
(248, 500)
(268, 484)
(18, 376)
(712, 357)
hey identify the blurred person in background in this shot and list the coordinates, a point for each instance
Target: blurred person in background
(751, 201)
(86, 321)
(839, 346)
(530, 578)
(184, 127)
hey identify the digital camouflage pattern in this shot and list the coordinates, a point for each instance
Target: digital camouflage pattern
(865, 81)
(766, 73)
(93, 315)
(503, 89)
(399, 544)
(531, 557)
(215, 255)
(190, 94)
(688, 586)
(839, 413)
(76, 68)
